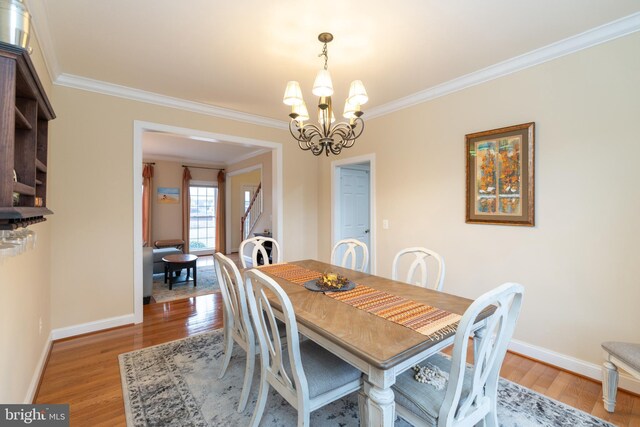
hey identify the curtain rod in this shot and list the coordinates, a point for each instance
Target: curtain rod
(201, 167)
(149, 163)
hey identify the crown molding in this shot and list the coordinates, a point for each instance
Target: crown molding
(587, 39)
(247, 156)
(104, 88)
(181, 159)
(238, 159)
(593, 37)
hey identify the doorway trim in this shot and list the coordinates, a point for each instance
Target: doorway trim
(228, 198)
(336, 205)
(139, 127)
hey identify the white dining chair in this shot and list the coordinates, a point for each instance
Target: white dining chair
(418, 269)
(469, 395)
(237, 323)
(250, 248)
(305, 374)
(350, 257)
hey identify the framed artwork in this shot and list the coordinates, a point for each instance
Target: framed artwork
(500, 175)
(168, 195)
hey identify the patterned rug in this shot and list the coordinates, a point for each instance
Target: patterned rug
(207, 284)
(176, 384)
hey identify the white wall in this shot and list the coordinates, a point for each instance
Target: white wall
(579, 264)
(91, 163)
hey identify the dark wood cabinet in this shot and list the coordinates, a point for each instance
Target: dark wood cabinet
(25, 113)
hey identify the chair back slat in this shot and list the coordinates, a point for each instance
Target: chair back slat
(418, 271)
(251, 248)
(350, 258)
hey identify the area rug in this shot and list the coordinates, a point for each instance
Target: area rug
(177, 384)
(207, 283)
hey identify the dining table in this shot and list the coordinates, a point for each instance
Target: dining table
(362, 332)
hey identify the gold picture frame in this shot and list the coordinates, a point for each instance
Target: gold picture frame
(500, 176)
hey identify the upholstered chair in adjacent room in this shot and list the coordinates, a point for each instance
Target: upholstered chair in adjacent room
(469, 395)
(417, 261)
(623, 355)
(305, 374)
(350, 258)
(259, 251)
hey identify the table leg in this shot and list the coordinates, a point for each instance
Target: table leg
(166, 272)
(379, 406)
(195, 274)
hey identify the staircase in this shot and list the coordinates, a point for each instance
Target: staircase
(251, 215)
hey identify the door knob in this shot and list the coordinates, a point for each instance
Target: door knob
(366, 231)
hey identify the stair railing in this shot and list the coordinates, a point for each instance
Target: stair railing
(251, 215)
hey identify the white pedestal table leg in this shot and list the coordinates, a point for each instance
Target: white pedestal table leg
(380, 406)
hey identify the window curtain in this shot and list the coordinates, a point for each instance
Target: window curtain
(147, 178)
(220, 211)
(186, 204)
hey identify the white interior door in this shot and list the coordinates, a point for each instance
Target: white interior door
(354, 205)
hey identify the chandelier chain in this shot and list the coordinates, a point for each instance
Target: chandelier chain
(325, 53)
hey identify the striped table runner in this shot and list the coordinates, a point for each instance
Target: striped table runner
(430, 321)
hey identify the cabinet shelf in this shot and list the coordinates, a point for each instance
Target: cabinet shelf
(21, 188)
(21, 121)
(41, 167)
(17, 217)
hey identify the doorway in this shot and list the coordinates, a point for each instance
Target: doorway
(139, 128)
(353, 199)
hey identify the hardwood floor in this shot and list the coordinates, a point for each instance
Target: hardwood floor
(84, 371)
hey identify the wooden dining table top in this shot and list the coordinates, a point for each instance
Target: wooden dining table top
(380, 342)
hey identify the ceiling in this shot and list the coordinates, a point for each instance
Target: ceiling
(240, 55)
(194, 149)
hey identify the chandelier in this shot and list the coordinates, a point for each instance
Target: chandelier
(325, 136)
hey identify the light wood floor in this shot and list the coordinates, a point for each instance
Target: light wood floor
(84, 371)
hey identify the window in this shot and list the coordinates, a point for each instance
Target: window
(247, 199)
(202, 230)
(247, 195)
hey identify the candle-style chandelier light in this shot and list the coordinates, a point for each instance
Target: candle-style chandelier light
(325, 136)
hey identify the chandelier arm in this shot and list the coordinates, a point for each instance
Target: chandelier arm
(304, 134)
(356, 131)
(335, 149)
(344, 132)
(310, 132)
(317, 150)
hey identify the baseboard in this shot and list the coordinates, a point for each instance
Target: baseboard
(580, 367)
(86, 328)
(37, 373)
